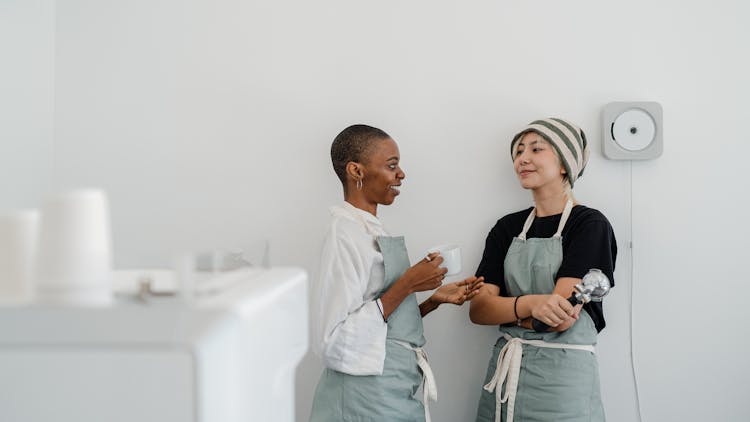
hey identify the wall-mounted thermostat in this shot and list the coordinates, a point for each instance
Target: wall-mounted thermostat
(632, 130)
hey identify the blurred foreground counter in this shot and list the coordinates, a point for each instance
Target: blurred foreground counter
(226, 353)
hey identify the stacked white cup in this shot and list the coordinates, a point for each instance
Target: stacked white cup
(18, 239)
(74, 263)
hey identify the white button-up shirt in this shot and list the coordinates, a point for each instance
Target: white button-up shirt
(348, 328)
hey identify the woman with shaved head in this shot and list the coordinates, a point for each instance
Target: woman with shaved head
(367, 321)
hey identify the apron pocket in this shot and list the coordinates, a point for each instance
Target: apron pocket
(387, 397)
(557, 382)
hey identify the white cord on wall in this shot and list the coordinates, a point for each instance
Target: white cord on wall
(632, 278)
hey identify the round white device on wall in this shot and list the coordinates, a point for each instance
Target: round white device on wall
(632, 130)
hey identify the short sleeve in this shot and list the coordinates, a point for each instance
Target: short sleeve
(591, 246)
(491, 265)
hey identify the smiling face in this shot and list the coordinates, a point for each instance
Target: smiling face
(536, 163)
(382, 174)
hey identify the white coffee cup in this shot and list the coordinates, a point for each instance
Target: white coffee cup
(74, 264)
(451, 254)
(18, 239)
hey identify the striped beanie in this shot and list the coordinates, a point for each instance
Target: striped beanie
(567, 138)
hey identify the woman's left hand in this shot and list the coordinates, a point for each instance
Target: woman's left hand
(571, 319)
(459, 292)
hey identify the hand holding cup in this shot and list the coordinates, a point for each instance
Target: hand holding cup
(426, 274)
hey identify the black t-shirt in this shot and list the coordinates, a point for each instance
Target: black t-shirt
(588, 241)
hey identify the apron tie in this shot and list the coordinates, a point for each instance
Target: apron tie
(429, 387)
(508, 370)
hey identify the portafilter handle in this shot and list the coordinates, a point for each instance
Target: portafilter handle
(593, 287)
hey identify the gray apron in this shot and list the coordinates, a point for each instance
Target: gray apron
(541, 376)
(388, 397)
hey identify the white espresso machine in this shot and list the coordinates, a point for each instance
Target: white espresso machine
(226, 354)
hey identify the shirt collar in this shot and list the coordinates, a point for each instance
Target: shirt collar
(353, 213)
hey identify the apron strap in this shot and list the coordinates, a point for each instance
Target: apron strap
(429, 387)
(509, 369)
(527, 224)
(563, 220)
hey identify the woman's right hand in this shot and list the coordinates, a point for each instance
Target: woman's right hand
(425, 274)
(553, 310)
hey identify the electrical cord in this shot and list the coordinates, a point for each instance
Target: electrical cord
(632, 278)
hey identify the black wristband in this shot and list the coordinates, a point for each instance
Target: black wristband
(515, 310)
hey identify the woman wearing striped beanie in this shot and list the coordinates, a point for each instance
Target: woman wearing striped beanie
(531, 261)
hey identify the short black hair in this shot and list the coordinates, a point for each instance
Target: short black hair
(351, 145)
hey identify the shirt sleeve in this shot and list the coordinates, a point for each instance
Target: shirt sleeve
(592, 246)
(491, 265)
(351, 332)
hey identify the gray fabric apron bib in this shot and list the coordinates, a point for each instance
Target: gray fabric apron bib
(557, 374)
(390, 396)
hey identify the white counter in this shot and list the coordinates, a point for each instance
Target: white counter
(228, 356)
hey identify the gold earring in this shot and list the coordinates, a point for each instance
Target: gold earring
(359, 184)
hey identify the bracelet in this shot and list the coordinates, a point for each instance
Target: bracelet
(380, 308)
(515, 310)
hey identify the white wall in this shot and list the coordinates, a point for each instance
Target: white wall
(27, 42)
(209, 125)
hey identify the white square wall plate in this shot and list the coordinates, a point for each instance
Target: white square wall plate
(632, 130)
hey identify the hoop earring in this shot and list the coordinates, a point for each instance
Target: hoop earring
(359, 184)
